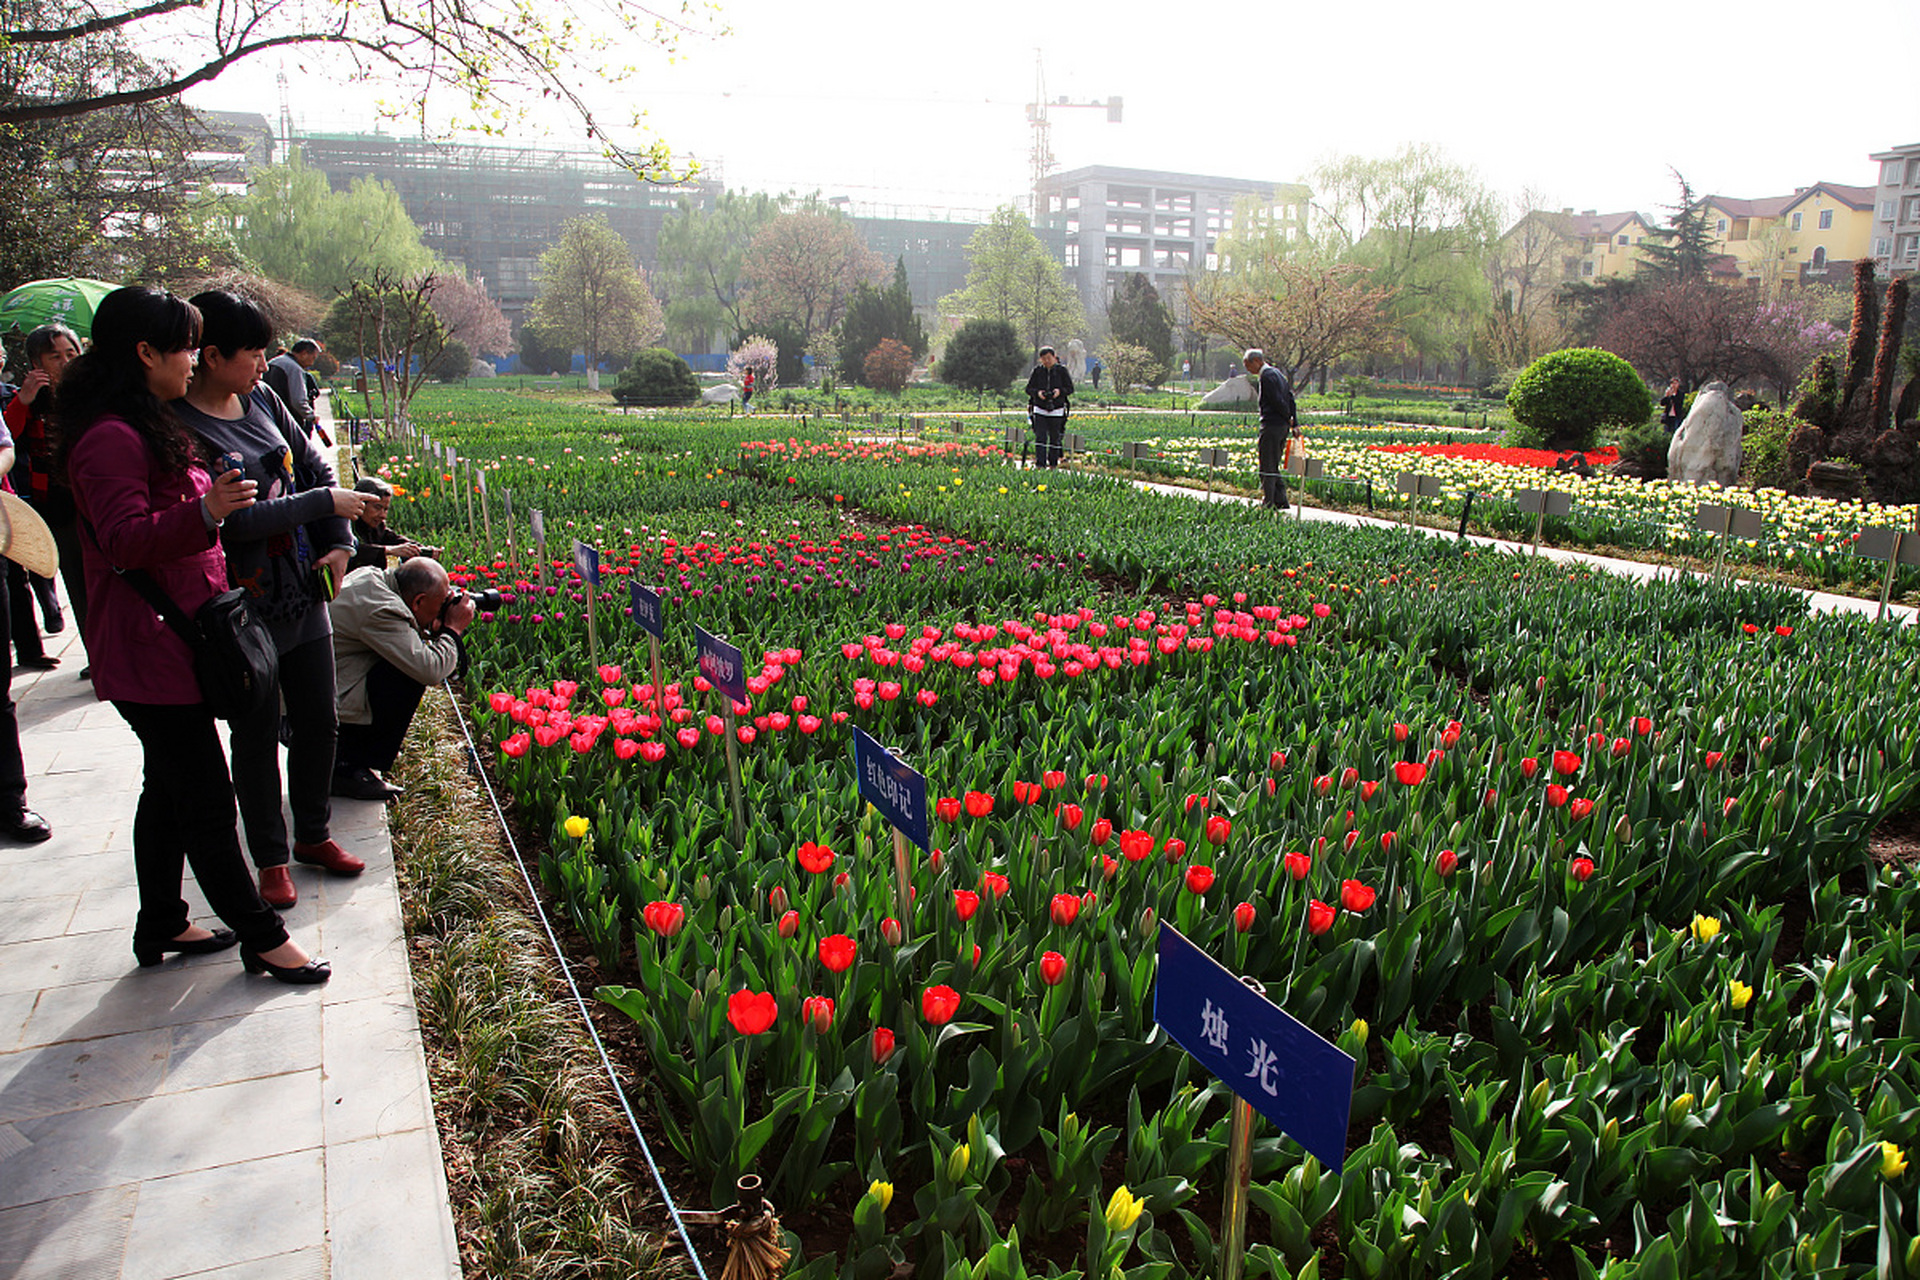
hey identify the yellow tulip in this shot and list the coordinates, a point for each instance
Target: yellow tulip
(577, 826)
(957, 1161)
(883, 1193)
(1124, 1209)
(1893, 1161)
(1739, 993)
(1705, 927)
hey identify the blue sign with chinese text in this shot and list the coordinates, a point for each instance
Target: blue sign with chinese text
(721, 664)
(646, 610)
(1272, 1059)
(892, 786)
(587, 560)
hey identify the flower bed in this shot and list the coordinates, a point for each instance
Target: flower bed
(1535, 458)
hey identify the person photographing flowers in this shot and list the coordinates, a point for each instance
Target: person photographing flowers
(289, 552)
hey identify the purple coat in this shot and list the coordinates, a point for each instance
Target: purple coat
(141, 518)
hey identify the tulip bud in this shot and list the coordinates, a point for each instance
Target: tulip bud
(1360, 1029)
(1710, 1094)
(694, 1004)
(1609, 1137)
(1678, 1109)
(1123, 1210)
(1806, 1257)
(703, 887)
(1146, 921)
(882, 1194)
(777, 899)
(1913, 1257)
(789, 923)
(957, 1161)
(1310, 1175)
(726, 920)
(1623, 829)
(1779, 799)
(712, 983)
(890, 931)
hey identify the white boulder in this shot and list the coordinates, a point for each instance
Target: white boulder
(1077, 359)
(1706, 448)
(1234, 390)
(721, 394)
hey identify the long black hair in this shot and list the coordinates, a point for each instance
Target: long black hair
(228, 323)
(110, 381)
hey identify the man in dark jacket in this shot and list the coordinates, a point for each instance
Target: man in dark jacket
(1049, 387)
(1278, 421)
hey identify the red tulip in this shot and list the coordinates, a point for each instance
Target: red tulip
(609, 675)
(1175, 849)
(1451, 738)
(938, 1004)
(1322, 610)
(947, 808)
(1066, 908)
(882, 1046)
(890, 932)
(625, 748)
(1349, 776)
(1352, 839)
(1202, 801)
(1298, 864)
(501, 702)
(1218, 829)
(1277, 760)
(653, 752)
(1566, 763)
(1408, 774)
(1367, 789)
(1199, 879)
(688, 738)
(1713, 759)
(1556, 794)
(1386, 840)
(1400, 732)
(516, 746)
(817, 1012)
(1750, 628)
(1243, 917)
(1493, 794)
(1642, 726)
(1322, 785)
(752, 1012)
(1054, 779)
(1579, 809)
(926, 697)
(1096, 782)
(1102, 831)
(815, 857)
(1528, 766)
(1582, 868)
(777, 899)
(1053, 967)
(996, 883)
(789, 923)
(1355, 896)
(837, 951)
(1070, 816)
(979, 804)
(965, 903)
(664, 918)
(937, 859)
(1445, 862)
(1783, 630)
(1319, 917)
(1726, 810)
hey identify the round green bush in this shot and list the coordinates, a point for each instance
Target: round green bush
(657, 377)
(1565, 397)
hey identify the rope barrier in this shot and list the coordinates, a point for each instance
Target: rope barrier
(566, 970)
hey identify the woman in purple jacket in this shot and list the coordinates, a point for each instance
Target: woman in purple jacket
(146, 502)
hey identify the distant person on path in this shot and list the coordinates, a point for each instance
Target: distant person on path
(1049, 388)
(49, 349)
(1671, 404)
(1278, 420)
(374, 539)
(1094, 370)
(276, 550)
(147, 502)
(287, 375)
(746, 393)
(395, 632)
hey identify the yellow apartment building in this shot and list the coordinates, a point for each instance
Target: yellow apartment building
(1808, 237)
(1578, 246)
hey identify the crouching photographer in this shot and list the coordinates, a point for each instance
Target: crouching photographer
(395, 631)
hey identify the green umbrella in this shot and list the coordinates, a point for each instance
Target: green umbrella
(69, 301)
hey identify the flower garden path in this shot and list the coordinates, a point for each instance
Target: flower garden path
(189, 1120)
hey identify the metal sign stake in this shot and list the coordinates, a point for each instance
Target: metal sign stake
(469, 488)
(1893, 565)
(1720, 564)
(733, 780)
(902, 880)
(1233, 1206)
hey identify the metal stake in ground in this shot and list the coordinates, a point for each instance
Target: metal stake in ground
(1729, 523)
(486, 513)
(1233, 1195)
(650, 617)
(587, 560)
(1896, 547)
(899, 793)
(469, 489)
(513, 554)
(1541, 503)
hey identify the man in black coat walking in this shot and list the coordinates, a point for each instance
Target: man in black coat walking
(1278, 421)
(1049, 387)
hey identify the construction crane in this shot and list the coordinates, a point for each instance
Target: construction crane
(1041, 158)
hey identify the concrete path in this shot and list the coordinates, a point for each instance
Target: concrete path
(189, 1120)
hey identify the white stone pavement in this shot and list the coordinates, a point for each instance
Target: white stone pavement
(190, 1120)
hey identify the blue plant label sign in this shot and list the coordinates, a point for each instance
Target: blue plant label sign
(1272, 1059)
(892, 786)
(646, 610)
(721, 664)
(587, 560)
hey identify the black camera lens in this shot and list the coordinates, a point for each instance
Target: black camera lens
(488, 601)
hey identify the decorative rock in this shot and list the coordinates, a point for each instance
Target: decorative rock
(1077, 359)
(1234, 390)
(482, 369)
(1834, 479)
(721, 394)
(1706, 448)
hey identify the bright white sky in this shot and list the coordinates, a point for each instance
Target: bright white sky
(924, 103)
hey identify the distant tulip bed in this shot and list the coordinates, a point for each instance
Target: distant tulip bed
(1577, 870)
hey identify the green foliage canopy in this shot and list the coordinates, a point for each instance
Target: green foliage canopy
(1566, 396)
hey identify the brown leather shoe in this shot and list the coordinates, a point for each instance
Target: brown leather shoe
(329, 856)
(276, 888)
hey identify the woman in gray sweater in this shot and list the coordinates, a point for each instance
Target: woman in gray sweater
(279, 550)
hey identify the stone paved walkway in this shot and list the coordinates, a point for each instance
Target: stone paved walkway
(189, 1120)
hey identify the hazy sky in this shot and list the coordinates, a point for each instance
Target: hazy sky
(925, 103)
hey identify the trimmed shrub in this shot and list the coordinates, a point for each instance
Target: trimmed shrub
(657, 377)
(983, 356)
(888, 366)
(1763, 449)
(1565, 397)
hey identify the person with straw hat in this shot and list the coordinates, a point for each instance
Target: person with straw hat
(26, 540)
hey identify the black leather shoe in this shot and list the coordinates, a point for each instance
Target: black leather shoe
(150, 954)
(361, 784)
(27, 827)
(45, 662)
(312, 973)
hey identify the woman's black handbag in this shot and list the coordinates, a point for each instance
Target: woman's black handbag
(234, 657)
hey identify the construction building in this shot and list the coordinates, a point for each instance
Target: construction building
(1115, 222)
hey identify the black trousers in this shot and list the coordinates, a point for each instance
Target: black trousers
(393, 697)
(66, 537)
(1273, 459)
(306, 685)
(22, 626)
(1048, 432)
(185, 817)
(13, 769)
